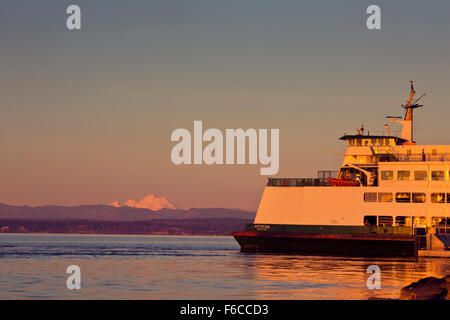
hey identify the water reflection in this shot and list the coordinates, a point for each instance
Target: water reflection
(163, 267)
(318, 277)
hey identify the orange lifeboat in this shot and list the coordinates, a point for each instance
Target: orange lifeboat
(343, 183)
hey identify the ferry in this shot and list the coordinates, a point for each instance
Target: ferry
(389, 198)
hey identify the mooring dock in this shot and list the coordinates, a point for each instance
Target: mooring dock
(434, 253)
(437, 246)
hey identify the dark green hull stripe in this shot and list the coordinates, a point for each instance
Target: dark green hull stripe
(318, 229)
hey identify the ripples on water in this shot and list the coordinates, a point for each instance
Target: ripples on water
(174, 267)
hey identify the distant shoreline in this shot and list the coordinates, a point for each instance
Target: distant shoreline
(188, 227)
(113, 234)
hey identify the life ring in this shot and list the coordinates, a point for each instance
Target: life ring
(285, 182)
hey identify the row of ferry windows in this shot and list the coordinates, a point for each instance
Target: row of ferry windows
(366, 142)
(406, 197)
(420, 175)
(404, 221)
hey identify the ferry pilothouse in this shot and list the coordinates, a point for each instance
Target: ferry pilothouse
(388, 198)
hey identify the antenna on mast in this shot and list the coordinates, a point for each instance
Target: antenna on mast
(407, 122)
(407, 130)
(415, 101)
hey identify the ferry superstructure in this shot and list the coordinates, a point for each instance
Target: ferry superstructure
(388, 194)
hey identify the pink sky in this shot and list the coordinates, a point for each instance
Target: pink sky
(86, 117)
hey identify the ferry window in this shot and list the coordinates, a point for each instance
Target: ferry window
(387, 175)
(408, 152)
(386, 142)
(420, 220)
(358, 142)
(400, 220)
(433, 152)
(403, 175)
(420, 175)
(442, 223)
(403, 197)
(448, 197)
(370, 220)
(385, 197)
(436, 221)
(385, 221)
(370, 197)
(438, 197)
(418, 197)
(437, 175)
(373, 141)
(380, 141)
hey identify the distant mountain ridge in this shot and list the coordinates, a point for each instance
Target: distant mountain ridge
(111, 213)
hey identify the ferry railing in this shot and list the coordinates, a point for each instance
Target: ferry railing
(396, 155)
(298, 182)
(325, 174)
(418, 157)
(443, 228)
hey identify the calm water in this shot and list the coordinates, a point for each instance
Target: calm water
(172, 267)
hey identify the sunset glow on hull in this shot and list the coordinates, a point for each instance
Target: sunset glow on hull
(333, 243)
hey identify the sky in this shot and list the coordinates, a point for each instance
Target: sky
(86, 115)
